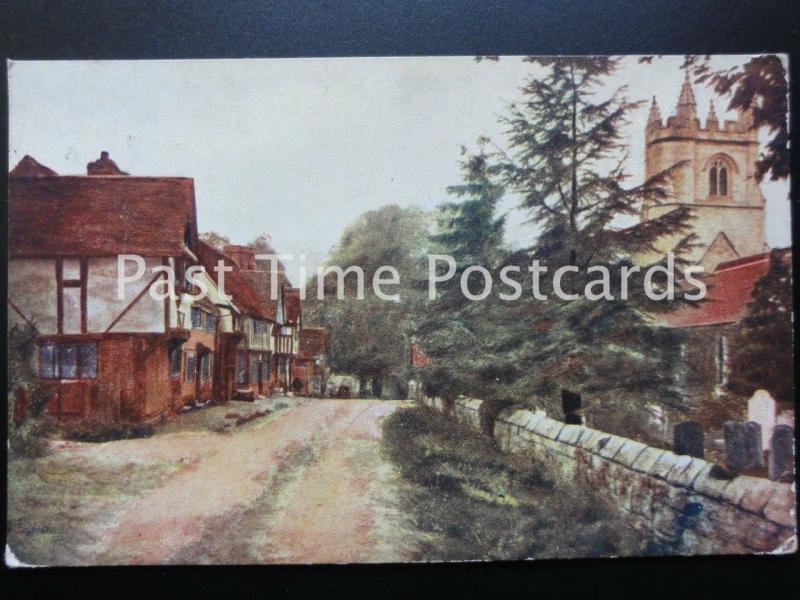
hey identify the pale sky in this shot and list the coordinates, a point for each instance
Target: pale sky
(299, 148)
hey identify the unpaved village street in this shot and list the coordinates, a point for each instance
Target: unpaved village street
(305, 483)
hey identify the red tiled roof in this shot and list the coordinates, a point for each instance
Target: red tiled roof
(236, 284)
(291, 305)
(730, 288)
(312, 341)
(99, 216)
(260, 283)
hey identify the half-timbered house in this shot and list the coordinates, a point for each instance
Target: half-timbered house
(248, 361)
(109, 350)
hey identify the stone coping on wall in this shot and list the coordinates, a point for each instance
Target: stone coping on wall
(771, 500)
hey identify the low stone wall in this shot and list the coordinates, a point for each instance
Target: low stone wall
(672, 496)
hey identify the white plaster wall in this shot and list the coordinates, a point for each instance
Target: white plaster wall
(103, 306)
(32, 288)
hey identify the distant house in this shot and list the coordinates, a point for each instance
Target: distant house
(134, 358)
(310, 365)
(291, 369)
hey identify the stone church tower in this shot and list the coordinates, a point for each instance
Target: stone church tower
(718, 181)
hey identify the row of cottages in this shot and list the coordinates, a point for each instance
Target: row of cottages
(136, 357)
(295, 359)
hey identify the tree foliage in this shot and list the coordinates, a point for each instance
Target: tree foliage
(370, 338)
(456, 332)
(564, 158)
(763, 356)
(217, 240)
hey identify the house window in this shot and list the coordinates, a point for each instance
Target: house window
(718, 179)
(197, 318)
(211, 323)
(241, 367)
(205, 367)
(191, 365)
(175, 356)
(60, 360)
(261, 326)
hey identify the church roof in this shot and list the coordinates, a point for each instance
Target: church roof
(730, 287)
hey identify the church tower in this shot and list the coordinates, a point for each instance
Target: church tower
(717, 181)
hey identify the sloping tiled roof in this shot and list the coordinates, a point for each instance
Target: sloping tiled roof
(99, 216)
(730, 288)
(236, 285)
(260, 281)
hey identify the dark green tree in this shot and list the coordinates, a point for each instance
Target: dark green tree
(458, 333)
(566, 161)
(763, 356)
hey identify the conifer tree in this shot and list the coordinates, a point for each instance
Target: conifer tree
(762, 353)
(457, 332)
(566, 161)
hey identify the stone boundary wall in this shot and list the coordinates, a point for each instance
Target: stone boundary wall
(672, 496)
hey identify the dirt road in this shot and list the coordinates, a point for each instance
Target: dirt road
(304, 484)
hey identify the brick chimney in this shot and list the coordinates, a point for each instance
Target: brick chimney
(104, 166)
(244, 256)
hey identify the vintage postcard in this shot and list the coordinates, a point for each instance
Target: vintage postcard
(386, 310)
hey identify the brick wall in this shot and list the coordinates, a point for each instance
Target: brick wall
(672, 496)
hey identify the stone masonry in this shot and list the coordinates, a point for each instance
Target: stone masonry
(674, 497)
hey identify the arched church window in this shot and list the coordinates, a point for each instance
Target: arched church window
(712, 181)
(718, 179)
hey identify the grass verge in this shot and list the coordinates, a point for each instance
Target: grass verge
(482, 504)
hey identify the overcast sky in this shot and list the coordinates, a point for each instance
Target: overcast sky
(298, 148)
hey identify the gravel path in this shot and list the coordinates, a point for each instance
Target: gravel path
(306, 484)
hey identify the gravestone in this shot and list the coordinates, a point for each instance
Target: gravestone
(743, 445)
(785, 417)
(688, 439)
(781, 459)
(762, 409)
(753, 445)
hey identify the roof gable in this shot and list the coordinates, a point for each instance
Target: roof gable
(718, 251)
(236, 285)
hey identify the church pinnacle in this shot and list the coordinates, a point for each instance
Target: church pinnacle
(655, 114)
(712, 122)
(687, 106)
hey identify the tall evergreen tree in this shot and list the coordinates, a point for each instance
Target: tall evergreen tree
(763, 355)
(457, 332)
(566, 160)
